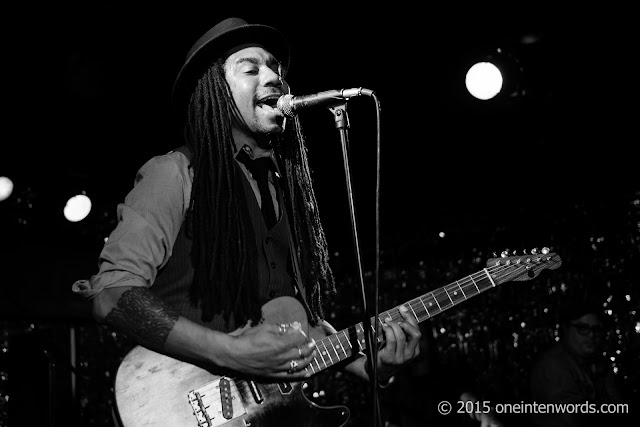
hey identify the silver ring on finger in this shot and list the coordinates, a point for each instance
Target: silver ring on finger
(292, 366)
(300, 353)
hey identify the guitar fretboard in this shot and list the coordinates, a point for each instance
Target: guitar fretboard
(340, 346)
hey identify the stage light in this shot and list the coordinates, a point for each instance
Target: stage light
(6, 188)
(77, 208)
(496, 75)
(484, 80)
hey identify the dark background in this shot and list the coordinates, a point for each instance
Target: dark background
(87, 91)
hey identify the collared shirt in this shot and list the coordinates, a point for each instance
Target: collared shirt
(149, 221)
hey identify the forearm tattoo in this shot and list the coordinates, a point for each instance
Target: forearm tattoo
(144, 317)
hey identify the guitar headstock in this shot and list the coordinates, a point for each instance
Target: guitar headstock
(522, 267)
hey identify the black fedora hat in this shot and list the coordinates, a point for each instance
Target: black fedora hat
(220, 40)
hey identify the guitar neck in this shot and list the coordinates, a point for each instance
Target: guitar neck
(340, 346)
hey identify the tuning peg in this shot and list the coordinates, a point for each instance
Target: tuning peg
(534, 251)
(495, 255)
(545, 250)
(524, 251)
(504, 254)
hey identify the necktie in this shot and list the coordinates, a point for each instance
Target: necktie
(259, 169)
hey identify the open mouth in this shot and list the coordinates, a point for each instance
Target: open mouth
(270, 102)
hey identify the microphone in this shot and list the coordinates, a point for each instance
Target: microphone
(291, 105)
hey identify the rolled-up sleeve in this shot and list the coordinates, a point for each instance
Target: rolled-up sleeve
(148, 224)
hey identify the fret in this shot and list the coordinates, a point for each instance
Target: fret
(387, 317)
(445, 289)
(430, 304)
(443, 300)
(474, 282)
(485, 283)
(425, 307)
(470, 288)
(344, 350)
(436, 300)
(328, 353)
(462, 290)
(418, 310)
(333, 346)
(489, 276)
(455, 295)
(373, 329)
(414, 313)
(347, 338)
(358, 334)
(323, 352)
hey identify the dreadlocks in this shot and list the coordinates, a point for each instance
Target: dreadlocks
(311, 245)
(225, 279)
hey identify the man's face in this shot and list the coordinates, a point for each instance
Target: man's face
(254, 77)
(584, 335)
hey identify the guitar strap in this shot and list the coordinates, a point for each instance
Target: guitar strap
(299, 288)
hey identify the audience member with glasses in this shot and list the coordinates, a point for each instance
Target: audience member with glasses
(574, 371)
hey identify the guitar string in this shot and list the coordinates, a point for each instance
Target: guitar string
(394, 313)
(442, 295)
(438, 295)
(461, 284)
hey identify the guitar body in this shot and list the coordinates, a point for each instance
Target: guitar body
(157, 390)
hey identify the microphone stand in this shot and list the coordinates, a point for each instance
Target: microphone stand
(342, 124)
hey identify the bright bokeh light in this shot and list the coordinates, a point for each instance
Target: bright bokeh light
(77, 208)
(6, 188)
(483, 80)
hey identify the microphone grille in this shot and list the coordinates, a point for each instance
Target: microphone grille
(285, 104)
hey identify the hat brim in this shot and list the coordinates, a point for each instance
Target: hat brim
(202, 57)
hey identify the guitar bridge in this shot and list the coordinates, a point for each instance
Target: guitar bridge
(216, 403)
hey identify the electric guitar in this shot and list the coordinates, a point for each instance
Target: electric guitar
(152, 389)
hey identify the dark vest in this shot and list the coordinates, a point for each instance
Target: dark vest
(174, 279)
